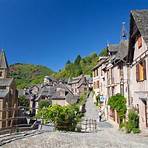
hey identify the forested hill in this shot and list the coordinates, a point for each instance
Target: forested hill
(28, 74)
(78, 66)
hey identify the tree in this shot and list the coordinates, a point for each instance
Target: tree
(68, 62)
(103, 52)
(77, 60)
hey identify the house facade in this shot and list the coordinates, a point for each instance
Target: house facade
(99, 79)
(138, 59)
(8, 95)
(117, 74)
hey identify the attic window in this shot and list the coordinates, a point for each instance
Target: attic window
(139, 42)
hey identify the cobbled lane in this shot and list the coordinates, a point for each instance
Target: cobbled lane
(105, 137)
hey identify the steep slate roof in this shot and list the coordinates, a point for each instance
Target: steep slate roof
(122, 50)
(141, 19)
(3, 93)
(83, 81)
(113, 47)
(6, 81)
(3, 60)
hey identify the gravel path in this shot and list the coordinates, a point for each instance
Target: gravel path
(106, 137)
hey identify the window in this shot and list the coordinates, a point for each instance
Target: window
(139, 42)
(96, 72)
(97, 84)
(141, 71)
(1, 73)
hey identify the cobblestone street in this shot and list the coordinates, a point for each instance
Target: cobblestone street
(105, 137)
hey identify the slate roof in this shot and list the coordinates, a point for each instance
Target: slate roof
(6, 81)
(83, 81)
(71, 99)
(113, 48)
(141, 19)
(100, 63)
(122, 50)
(47, 91)
(3, 60)
(3, 93)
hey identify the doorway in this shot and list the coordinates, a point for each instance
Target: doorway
(146, 112)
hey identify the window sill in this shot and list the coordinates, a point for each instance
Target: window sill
(141, 80)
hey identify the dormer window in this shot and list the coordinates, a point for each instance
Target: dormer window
(139, 42)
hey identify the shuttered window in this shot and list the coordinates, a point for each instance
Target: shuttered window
(141, 71)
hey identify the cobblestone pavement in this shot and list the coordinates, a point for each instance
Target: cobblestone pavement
(91, 111)
(105, 137)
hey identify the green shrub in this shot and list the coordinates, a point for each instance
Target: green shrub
(118, 103)
(64, 117)
(136, 130)
(133, 122)
(44, 103)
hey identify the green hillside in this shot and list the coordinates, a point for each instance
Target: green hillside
(78, 66)
(28, 74)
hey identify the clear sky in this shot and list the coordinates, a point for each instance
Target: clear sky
(49, 32)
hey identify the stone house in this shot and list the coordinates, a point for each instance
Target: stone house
(55, 93)
(138, 60)
(80, 84)
(99, 78)
(8, 95)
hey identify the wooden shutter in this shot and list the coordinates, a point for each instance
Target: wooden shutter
(137, 72)
(144, 68)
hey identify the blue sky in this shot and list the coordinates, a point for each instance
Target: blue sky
(49, 32)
